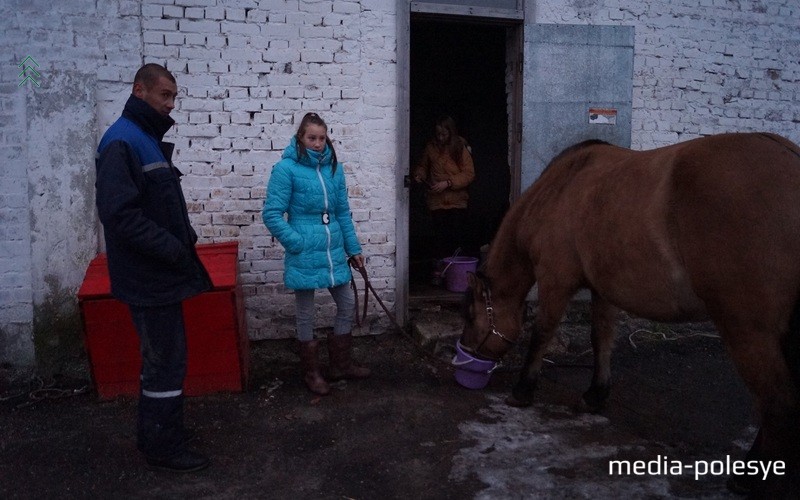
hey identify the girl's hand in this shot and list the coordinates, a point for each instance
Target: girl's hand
(440, 186)
(357, 261)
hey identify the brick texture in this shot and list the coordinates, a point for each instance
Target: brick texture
(248, 70)
(704, 67)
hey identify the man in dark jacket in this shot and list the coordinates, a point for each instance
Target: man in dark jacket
(152, 260)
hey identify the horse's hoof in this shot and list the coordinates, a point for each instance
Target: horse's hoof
(594, 400)
(583, 406)
(518, 403)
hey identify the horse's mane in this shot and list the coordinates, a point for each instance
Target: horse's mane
(507, 247)
(469, 296)
(574, 148)
(561, 169)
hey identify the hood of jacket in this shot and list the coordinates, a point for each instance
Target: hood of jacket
(310, 159)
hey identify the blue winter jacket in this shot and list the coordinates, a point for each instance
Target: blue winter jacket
(318, 234)
(149, 240)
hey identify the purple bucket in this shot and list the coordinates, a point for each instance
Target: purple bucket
(455, 272)
(471, 372)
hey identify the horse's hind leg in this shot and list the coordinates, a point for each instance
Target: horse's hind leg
(762, 364)
(552, 305)
(603, 330)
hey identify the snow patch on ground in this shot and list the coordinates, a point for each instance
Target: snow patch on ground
(544, 451)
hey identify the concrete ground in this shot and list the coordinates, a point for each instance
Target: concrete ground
(408, 432)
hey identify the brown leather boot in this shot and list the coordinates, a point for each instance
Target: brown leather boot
(342, 365)
(309, 361)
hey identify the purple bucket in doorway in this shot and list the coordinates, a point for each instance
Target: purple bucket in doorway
(472, 372)
(455, 272)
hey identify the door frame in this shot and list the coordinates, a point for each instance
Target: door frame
(513, 20)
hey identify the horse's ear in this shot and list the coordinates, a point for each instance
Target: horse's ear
(473, 281)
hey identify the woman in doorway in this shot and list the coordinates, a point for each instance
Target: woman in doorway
(320, 239)
(446, 167)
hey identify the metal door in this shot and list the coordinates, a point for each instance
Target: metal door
(577, 85)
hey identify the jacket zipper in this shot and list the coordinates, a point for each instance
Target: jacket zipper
(327, 229)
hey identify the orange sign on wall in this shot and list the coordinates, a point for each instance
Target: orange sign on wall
(603, 116)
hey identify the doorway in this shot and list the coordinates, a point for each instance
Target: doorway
(460, 69)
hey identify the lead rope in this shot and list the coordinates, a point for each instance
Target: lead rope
(369, 288)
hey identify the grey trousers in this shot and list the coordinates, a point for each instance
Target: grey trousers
(304, 311)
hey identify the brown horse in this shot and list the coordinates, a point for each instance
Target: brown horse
(706, 228)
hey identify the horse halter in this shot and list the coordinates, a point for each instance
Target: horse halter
(487, 296)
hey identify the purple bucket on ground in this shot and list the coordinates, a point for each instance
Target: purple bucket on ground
(471, 372)
(455, 272)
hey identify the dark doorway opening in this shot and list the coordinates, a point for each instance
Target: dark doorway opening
(459, 69)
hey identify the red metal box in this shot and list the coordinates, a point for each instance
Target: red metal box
(216, 333)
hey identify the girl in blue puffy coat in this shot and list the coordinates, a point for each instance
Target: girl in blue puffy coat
(319, 238)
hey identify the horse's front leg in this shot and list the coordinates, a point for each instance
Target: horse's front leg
(603, 330)
(551, 309)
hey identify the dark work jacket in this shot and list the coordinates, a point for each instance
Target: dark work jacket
(149, 240)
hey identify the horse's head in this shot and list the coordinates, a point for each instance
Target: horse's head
(481, 336)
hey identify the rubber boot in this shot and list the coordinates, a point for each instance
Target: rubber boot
(309, 361)
(342, 365)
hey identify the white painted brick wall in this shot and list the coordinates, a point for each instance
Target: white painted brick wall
(248, 70)
(40, 249)
(16, 292)
(725, 66)
(248, 73)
